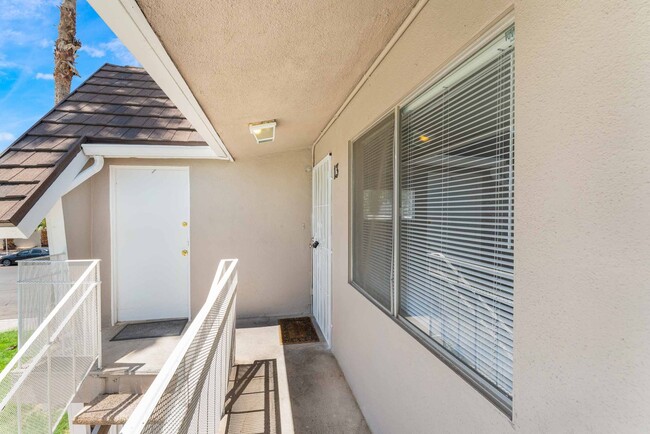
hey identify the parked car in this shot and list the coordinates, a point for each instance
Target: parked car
(12, 259)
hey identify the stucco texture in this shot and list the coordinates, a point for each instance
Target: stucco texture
(294, 61)
(582, 239)
(257, 210)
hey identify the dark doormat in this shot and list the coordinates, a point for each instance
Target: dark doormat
(151, 329)
(297, 331)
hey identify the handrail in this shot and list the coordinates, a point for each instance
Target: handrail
(143, 413)
(42, 284)
(39, 382)
(46, 323)
(40, 354)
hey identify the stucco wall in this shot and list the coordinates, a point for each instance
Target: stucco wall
(257, 210)
(582, 240)
(77, 217)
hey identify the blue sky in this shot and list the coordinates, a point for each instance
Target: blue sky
(27, 34)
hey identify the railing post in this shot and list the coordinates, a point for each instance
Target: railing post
(21, 313)
(100, 363)
(74, 353)
(19, 406)
(49, 380)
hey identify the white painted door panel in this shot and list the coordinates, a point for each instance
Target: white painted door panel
(150, 272)
(321, 245)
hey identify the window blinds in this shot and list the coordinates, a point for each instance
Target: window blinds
(372, 218)
(456, 222)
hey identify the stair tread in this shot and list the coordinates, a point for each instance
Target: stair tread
(108, 409)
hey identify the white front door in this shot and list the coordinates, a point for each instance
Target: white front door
(150, 209)
(321, 245)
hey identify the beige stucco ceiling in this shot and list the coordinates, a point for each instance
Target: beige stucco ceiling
(294, 61)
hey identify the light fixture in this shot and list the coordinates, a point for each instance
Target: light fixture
(424, 138)
(263, 131)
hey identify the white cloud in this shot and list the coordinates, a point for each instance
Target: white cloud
(121, 52)
(6, 137)
(30, 9)
(15, 37)
(46, 43)
(113, 48)
(23, 22)
(6, 64)
(11, 37)
(93, 51)
(41, 76)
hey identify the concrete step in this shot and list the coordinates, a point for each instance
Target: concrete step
(108, 409)
(94, 385)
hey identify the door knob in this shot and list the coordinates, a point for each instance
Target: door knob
(314, 244)
(184, 252)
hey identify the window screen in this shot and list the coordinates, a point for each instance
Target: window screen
(456, 234)
(372, 211)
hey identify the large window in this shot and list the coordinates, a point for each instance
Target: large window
(454, 236)
(372, 220)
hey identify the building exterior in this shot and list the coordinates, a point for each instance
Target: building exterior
(472, 177)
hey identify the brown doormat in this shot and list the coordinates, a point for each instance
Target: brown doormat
(297, 331)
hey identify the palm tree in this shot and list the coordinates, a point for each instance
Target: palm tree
(65, 56)
(65, 50)
(42, 228)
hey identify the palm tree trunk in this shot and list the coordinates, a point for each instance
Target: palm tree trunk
(65, 50)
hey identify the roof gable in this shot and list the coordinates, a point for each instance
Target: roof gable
(116, 104)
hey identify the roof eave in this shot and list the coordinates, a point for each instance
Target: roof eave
(127, 21)
(23, 224)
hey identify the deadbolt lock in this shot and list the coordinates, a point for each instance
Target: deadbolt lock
(184, 224)
(184, 252)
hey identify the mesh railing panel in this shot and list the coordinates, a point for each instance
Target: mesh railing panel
(40, 381)
(41, 285)
(194, 380)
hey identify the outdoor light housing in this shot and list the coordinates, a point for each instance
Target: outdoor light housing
(263, 131)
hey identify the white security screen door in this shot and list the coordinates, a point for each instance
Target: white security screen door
(150, 229)
(321, 245)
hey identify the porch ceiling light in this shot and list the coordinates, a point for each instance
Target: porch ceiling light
(263, 131)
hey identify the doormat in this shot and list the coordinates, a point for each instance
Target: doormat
(152, 329)
(297, 331)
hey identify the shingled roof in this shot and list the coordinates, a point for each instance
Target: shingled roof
(117, 104)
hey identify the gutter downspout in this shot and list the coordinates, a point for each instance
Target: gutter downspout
(405, 25)
(98, 164)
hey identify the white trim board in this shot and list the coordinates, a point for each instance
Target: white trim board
(127, 21)
(65, 181)
(149, 151)
(44, 204)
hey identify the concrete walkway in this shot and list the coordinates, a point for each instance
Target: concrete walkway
(294, 388)
(8, 324)
(136, 356)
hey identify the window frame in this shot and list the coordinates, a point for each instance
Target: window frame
(499, 399)
(351, 198)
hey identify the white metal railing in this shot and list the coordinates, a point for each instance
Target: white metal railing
(42, 283)
(189, 392)
(38, 384)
